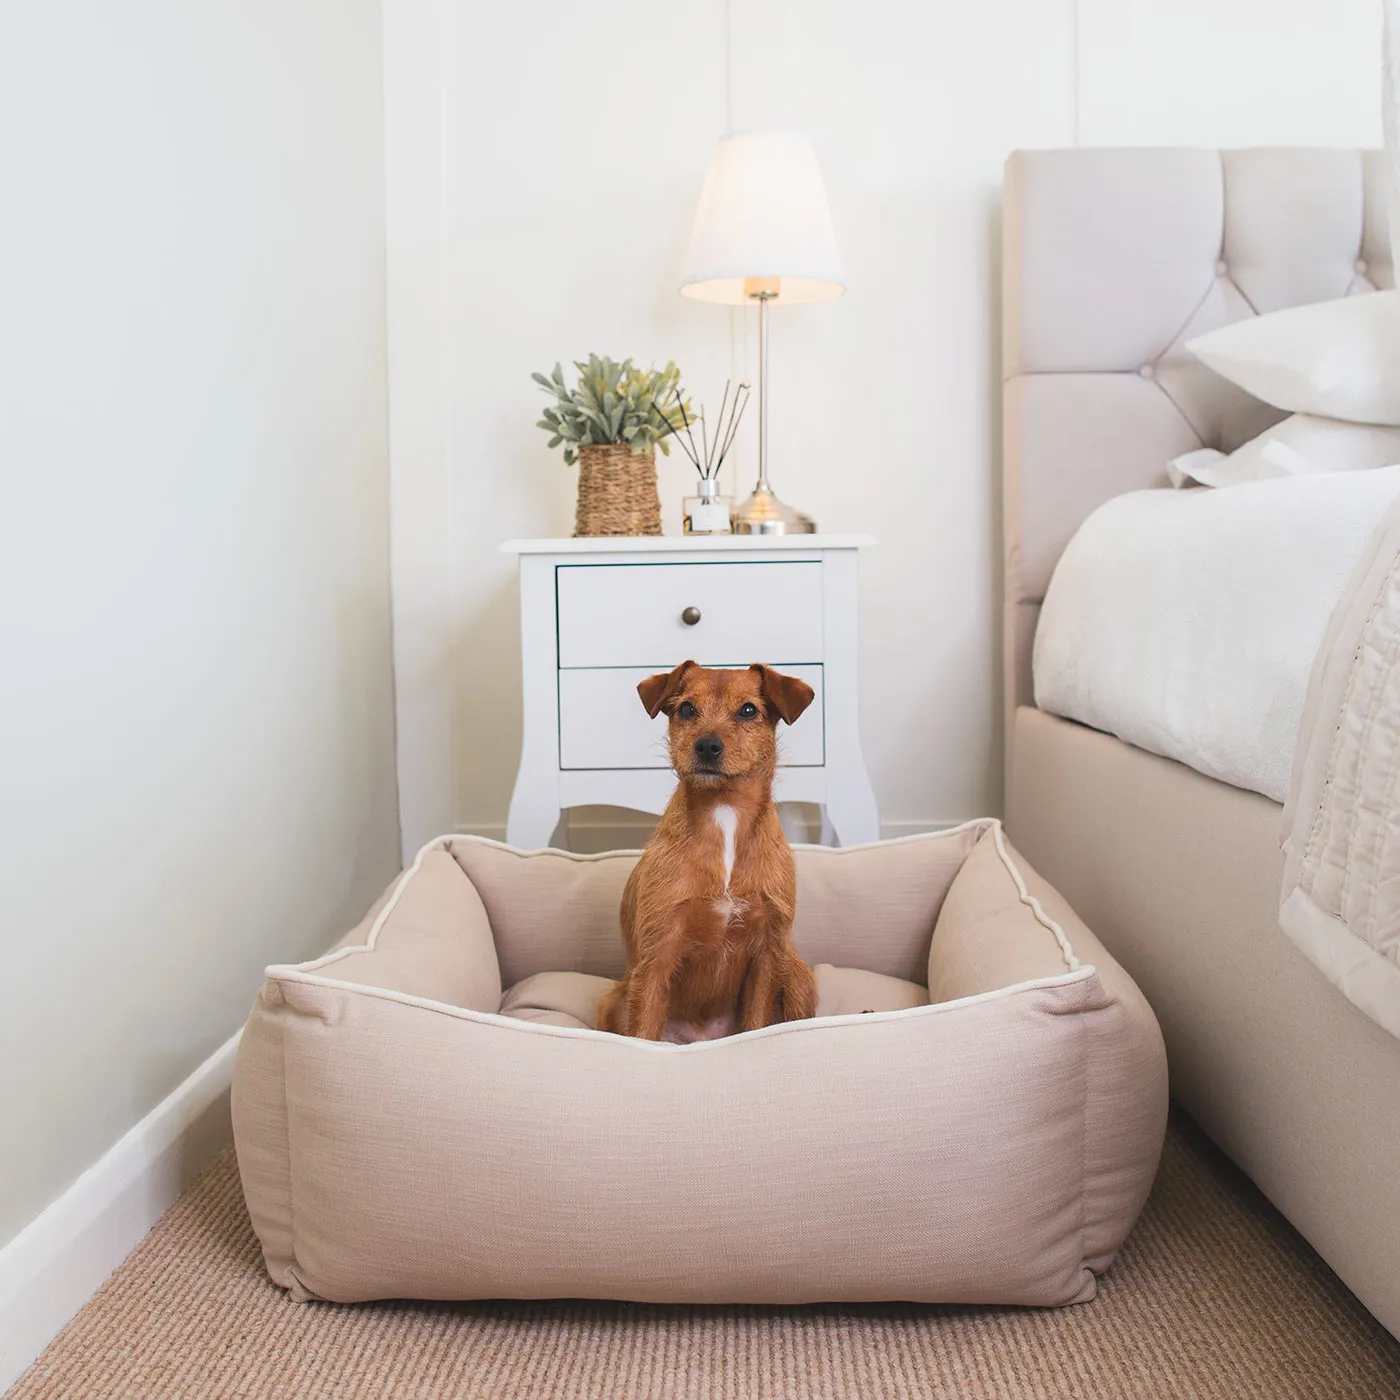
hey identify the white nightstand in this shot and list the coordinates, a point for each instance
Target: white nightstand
(598, 615)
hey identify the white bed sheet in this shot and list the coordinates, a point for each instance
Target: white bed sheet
(1186, 622)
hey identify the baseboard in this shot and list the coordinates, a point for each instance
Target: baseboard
(587, 834)
(59, 1260)
(892, 831)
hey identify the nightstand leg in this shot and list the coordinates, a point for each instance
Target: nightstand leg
(535, 808)
(534, 815)
(850, 800)
(850, 806)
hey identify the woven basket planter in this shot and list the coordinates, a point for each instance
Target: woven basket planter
(617, 492)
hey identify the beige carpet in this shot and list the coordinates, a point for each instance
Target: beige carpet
(1215, 1296)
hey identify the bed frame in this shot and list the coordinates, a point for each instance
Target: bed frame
(1113, 260)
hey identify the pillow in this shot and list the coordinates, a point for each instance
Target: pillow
(1302, 445)
(1337, 359)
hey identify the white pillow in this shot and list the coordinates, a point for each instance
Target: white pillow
(1337, 359)
(1302, 445)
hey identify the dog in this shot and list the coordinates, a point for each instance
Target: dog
(707, 912)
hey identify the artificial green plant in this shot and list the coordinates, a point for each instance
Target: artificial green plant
(614, 404)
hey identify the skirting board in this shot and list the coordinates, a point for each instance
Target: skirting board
(62, 1257)
(589, 835)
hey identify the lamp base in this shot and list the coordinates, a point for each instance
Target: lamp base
(764, 514)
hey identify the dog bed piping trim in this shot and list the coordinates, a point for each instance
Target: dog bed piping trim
(443, 843)
(309, 972)
(1032, 903)
(464, 1013)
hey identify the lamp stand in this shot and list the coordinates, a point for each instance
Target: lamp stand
(763, 513)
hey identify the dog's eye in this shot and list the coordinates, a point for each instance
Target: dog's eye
(685, 710)
(748, 710)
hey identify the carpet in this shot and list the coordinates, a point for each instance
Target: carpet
(1214, 1296)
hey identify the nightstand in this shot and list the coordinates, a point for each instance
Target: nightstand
(599, 615)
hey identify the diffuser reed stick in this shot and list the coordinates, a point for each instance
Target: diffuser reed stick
(708, 455)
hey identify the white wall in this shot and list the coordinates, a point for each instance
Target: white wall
(543, 179)
(196, 735)
(1230, 72)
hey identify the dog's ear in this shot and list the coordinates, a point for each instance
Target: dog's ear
(657, 690)
(786, 694)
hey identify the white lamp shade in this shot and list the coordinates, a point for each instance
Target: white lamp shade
(763, 221)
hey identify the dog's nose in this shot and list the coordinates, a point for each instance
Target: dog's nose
(708, 748)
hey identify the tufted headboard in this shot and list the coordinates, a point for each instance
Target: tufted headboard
(1112, 260)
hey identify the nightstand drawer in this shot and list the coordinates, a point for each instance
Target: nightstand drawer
(602, 723)
(632, 614)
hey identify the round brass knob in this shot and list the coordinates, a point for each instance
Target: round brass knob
(690, 616)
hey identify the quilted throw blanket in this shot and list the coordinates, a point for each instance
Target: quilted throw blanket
(1341, 886)
(1340, 901)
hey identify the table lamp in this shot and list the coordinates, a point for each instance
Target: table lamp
(763, 234)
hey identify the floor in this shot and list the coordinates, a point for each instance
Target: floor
(1213, 1297)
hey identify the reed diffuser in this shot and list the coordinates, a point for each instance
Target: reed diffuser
(708, 512)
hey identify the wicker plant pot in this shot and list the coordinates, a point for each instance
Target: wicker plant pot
(617, 492)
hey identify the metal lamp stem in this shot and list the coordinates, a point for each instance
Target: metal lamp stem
(763, 299)
(763, 513)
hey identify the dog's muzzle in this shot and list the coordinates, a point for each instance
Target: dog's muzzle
(708, 752)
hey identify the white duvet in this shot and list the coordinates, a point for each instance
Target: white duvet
(1186, 622)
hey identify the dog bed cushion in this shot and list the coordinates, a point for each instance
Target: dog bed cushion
(974, 1117)
(571, 998)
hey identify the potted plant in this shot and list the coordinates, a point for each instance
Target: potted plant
(611, 422)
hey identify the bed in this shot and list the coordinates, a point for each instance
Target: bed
(974, 1115)
(1113, 260)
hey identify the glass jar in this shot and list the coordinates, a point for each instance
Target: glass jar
(707, 513)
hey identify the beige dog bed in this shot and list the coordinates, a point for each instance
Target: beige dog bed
(987, 1133)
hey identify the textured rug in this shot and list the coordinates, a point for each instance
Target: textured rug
(1214, 1297)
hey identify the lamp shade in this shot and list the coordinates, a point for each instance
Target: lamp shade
(763, 224)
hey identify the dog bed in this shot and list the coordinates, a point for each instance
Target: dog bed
(974, 1116)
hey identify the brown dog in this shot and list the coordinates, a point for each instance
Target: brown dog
(707, 913)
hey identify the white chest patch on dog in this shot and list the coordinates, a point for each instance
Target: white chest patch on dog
(727, 819)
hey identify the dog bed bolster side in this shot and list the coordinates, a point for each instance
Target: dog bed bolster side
(261, 1134)
(426, 936)
(431, 939)
(1003, 924)
(1125, 1088)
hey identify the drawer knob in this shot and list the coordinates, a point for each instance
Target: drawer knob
(690, 616)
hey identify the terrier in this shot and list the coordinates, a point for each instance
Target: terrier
(707, 912)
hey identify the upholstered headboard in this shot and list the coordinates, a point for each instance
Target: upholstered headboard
(1113, 259)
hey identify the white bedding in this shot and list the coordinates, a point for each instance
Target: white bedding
(1186, 622)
